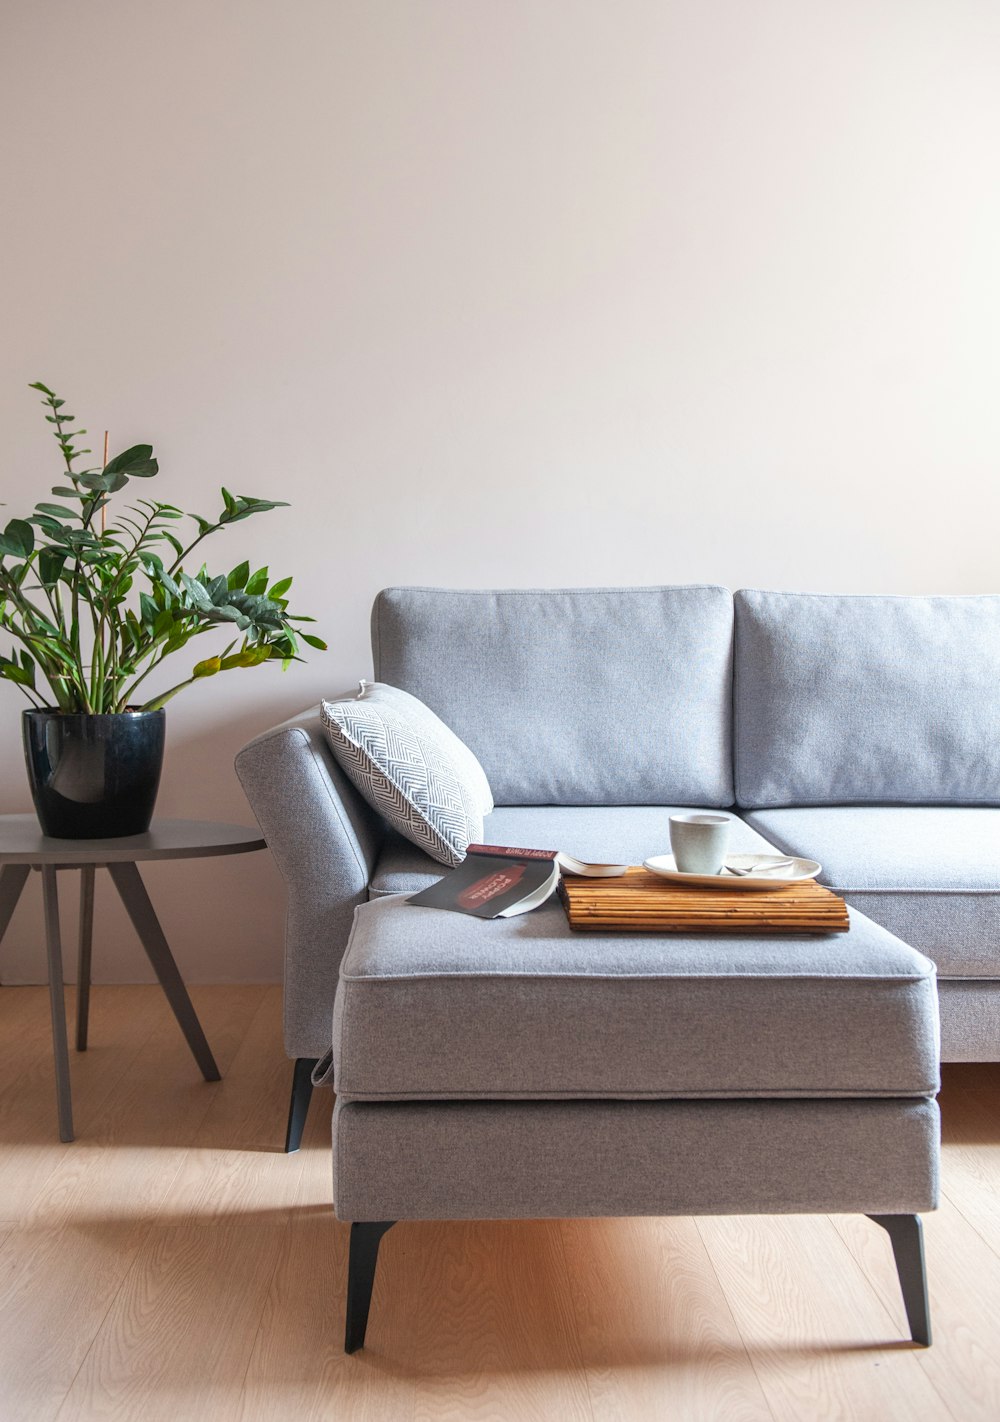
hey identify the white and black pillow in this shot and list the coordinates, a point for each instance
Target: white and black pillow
(410, 768)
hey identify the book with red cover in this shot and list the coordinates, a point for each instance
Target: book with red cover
(496, 881)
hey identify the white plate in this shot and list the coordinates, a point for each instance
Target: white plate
(663, 864)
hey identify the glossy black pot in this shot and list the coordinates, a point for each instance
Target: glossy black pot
(94, 777)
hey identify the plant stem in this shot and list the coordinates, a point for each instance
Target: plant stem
(181, 556)
(158, 702)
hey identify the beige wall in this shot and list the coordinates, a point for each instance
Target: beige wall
(501, 292)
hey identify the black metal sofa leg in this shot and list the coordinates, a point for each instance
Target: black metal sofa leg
(905, 1234)
(298, 1107)
(365, 1240)
(907, 1237)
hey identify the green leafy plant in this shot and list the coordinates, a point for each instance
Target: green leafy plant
(95, 604)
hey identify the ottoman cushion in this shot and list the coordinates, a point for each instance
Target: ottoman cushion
(436, 1005)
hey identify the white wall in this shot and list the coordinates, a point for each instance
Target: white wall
(501, 292)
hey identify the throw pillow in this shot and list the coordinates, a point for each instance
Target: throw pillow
(410, 768)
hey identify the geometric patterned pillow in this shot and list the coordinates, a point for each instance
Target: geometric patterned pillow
(411, 768)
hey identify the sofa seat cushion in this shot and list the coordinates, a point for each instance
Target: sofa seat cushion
(439, 1005)
(930, 874)
(616, 834)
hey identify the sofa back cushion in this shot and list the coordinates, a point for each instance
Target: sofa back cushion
(586, 696)
(859, 700)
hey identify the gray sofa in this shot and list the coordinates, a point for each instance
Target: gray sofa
(471, 1079)
(861, 731)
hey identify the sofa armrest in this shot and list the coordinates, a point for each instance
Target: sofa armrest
(325, 841)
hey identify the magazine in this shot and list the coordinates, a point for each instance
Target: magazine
(494, 881)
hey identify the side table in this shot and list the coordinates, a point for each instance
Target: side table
(23, 847)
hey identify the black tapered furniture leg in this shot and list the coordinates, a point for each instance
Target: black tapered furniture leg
(907, 1237)
(365, 1240)
(298, 1107)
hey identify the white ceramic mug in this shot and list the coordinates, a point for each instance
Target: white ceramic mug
(699, 842)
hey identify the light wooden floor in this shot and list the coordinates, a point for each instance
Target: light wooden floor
(173, 1264)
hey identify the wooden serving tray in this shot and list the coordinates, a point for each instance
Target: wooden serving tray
(641, 902)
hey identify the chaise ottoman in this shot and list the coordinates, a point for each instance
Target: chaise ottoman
(513, 1069)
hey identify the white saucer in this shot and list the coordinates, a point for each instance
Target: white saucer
(663, 864)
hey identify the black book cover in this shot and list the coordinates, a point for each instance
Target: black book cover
(490, 880)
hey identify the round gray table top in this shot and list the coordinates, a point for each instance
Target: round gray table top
(22, 842)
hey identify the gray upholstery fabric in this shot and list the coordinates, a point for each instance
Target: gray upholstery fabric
(970, 1019)
(617, 834)
(325, 840)
(505, 1160)
(844, 700)
(438, 1005)
(930, 874)
(590, 696)
(411, 768)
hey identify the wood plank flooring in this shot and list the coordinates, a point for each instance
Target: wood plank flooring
(173, 1264)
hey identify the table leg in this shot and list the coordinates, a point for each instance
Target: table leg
(64, 1100)
(12, 877)
(132, 892)
(83, 955)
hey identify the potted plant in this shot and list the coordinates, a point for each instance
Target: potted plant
(94, 604)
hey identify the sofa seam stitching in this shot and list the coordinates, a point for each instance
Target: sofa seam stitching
(556, 592)
(582, 1093)
(578, 978)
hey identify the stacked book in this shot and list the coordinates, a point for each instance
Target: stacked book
(639, 902)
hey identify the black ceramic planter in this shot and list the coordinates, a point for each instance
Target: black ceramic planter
(94, 777)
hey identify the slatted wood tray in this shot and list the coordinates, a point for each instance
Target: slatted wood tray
(641, 902)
